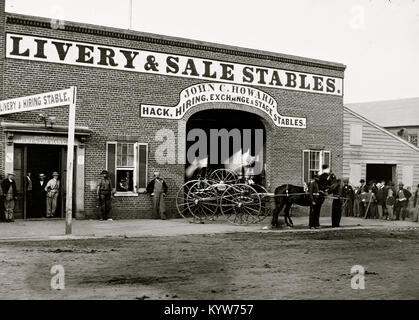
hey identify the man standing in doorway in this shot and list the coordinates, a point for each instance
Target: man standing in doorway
(40, 196)
(9, 192)
(104, 195)
(157, 188)
(28, 191)
(52, 189)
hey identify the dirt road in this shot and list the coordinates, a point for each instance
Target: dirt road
(301, 265)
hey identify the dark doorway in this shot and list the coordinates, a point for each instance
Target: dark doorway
(37, 159)
(380, 172)
(229, 119)
(42, 159)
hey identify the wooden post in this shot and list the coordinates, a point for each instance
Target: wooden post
(70, 156)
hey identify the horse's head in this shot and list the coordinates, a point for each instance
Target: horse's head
(326, 180)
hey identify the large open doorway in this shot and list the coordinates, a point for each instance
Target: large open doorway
(34, 160)
(247, 124)
(380, 172)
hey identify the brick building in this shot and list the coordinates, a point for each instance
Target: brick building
(136, 90)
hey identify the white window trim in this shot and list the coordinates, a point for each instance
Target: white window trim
(321, 159)
(135, 170)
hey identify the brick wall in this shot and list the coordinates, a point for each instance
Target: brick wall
(109, 101)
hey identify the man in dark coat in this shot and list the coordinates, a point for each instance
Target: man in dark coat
(28, 193)
(157, 188)
(40, 196)
(105, 193)
(361, 196)
(336, 191)
(402, 201)
(348, 196)
(316, 199)
(9, 192)
(381, 200)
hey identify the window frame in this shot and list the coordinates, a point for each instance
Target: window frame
(322, 156)
(135, 168)
(415, 136)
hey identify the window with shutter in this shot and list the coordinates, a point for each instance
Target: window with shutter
(142, 166)
(127, 166)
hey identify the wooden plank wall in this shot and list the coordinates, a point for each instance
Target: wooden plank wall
(377, 147)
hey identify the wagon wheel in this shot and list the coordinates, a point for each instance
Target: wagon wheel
(224, 176)
(182, 200)
(202, 200)
(241, 204)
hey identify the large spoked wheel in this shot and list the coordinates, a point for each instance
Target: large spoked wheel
(265, 200)
(202, 200)
(182, 199)
(241, 204)
(224, 176)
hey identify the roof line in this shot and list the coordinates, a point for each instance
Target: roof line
(380, 128)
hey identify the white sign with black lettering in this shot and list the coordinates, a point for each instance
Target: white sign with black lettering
(223, 92)
(36, 48)
(37, 101)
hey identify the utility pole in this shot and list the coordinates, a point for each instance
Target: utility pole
(70, 164)
(130, 15)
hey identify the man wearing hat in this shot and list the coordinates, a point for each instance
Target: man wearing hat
(52, 189)
(402, 201)
(9, 192)
(39, 196)
(348, 195)
(157, 188)
(361, 192)
(104, 195)
(316, 199)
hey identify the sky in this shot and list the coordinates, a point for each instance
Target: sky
(378, 40)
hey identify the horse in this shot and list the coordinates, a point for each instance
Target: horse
(287, 194)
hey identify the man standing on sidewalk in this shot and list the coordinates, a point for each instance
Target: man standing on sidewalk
(157, 188)
(9, 192)
(402, 201)
(316, 199)
(381, 200)
(104, 195)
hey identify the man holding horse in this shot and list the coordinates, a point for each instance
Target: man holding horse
(316, 198)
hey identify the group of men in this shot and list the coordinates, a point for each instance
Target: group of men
(156, 188)
(384, 201)
(41, 196)
(375, 200)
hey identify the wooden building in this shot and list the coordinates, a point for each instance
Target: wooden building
(371, 152)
